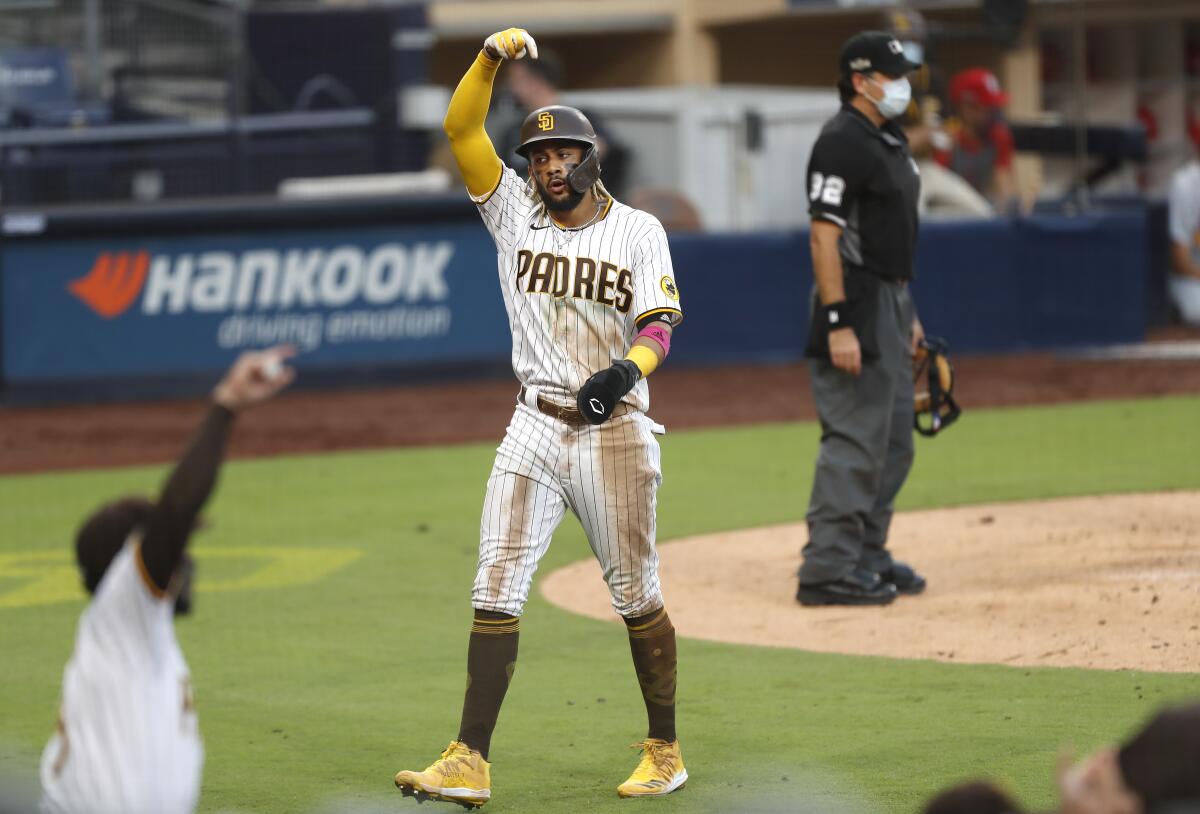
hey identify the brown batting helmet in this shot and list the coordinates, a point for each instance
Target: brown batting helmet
(562, 123)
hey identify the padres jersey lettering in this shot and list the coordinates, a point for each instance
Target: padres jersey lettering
(574, 297)
(127, 741)
(581, 278)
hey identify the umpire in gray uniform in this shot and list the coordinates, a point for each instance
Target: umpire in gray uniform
(862, 186)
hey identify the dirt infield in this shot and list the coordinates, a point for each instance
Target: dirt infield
(1107, 582)
(56, 438)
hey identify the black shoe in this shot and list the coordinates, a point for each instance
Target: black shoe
(859, 587)
(906, 580)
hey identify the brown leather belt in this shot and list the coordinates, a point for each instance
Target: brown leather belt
(567, 415)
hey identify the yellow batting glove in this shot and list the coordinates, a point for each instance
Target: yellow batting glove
(511, 43)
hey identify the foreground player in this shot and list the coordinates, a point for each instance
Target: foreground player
(127, 739)
(586, 281)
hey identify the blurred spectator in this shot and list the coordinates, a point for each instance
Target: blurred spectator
(1162, 762)
(535, 83)
(942, 191)
(1156, 772)
(972, 798)
(1184, 227)
(981, 148)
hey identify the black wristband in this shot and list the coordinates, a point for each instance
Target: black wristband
(631, 372)
(835, 315)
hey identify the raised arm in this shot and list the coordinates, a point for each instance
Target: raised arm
(255, 377)
(473, 150)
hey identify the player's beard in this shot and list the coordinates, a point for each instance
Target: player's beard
(566, 203)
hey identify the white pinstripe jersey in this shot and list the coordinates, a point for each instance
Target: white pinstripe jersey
(574, 296)
(127, 739)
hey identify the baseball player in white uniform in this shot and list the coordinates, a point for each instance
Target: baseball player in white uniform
(127, 740)
(591, 301)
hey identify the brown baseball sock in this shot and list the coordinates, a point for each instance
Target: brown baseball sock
(491, 659)
(652, 642)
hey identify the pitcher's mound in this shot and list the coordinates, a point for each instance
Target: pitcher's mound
(1109, 582)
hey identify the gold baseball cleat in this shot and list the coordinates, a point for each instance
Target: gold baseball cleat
(660, 771)
(460, 775)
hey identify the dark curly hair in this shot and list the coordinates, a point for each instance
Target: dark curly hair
(103, 534)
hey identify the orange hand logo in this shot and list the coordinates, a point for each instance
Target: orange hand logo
(113, 283)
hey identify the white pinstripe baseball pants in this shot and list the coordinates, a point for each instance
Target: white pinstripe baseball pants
(609, 477)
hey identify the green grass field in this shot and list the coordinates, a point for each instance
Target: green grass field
(328, 647)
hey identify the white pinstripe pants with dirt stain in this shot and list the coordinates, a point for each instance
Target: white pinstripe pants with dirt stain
(607, 475)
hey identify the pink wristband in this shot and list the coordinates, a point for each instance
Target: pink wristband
(659, 335)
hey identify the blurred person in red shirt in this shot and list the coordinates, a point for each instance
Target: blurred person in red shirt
(981, 149)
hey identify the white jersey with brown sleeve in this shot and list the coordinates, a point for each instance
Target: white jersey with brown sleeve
(576, 298)
(127, 740)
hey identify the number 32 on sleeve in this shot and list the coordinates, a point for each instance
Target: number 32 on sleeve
(827, 188)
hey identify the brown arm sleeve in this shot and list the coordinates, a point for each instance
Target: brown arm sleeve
(185, 493)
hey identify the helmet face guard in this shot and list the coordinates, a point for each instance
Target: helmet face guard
(582, 177)
(937, 400)
(562, 123)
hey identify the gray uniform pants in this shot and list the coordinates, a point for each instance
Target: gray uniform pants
(866, 448)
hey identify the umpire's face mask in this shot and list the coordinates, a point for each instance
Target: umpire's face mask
(897, 93)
